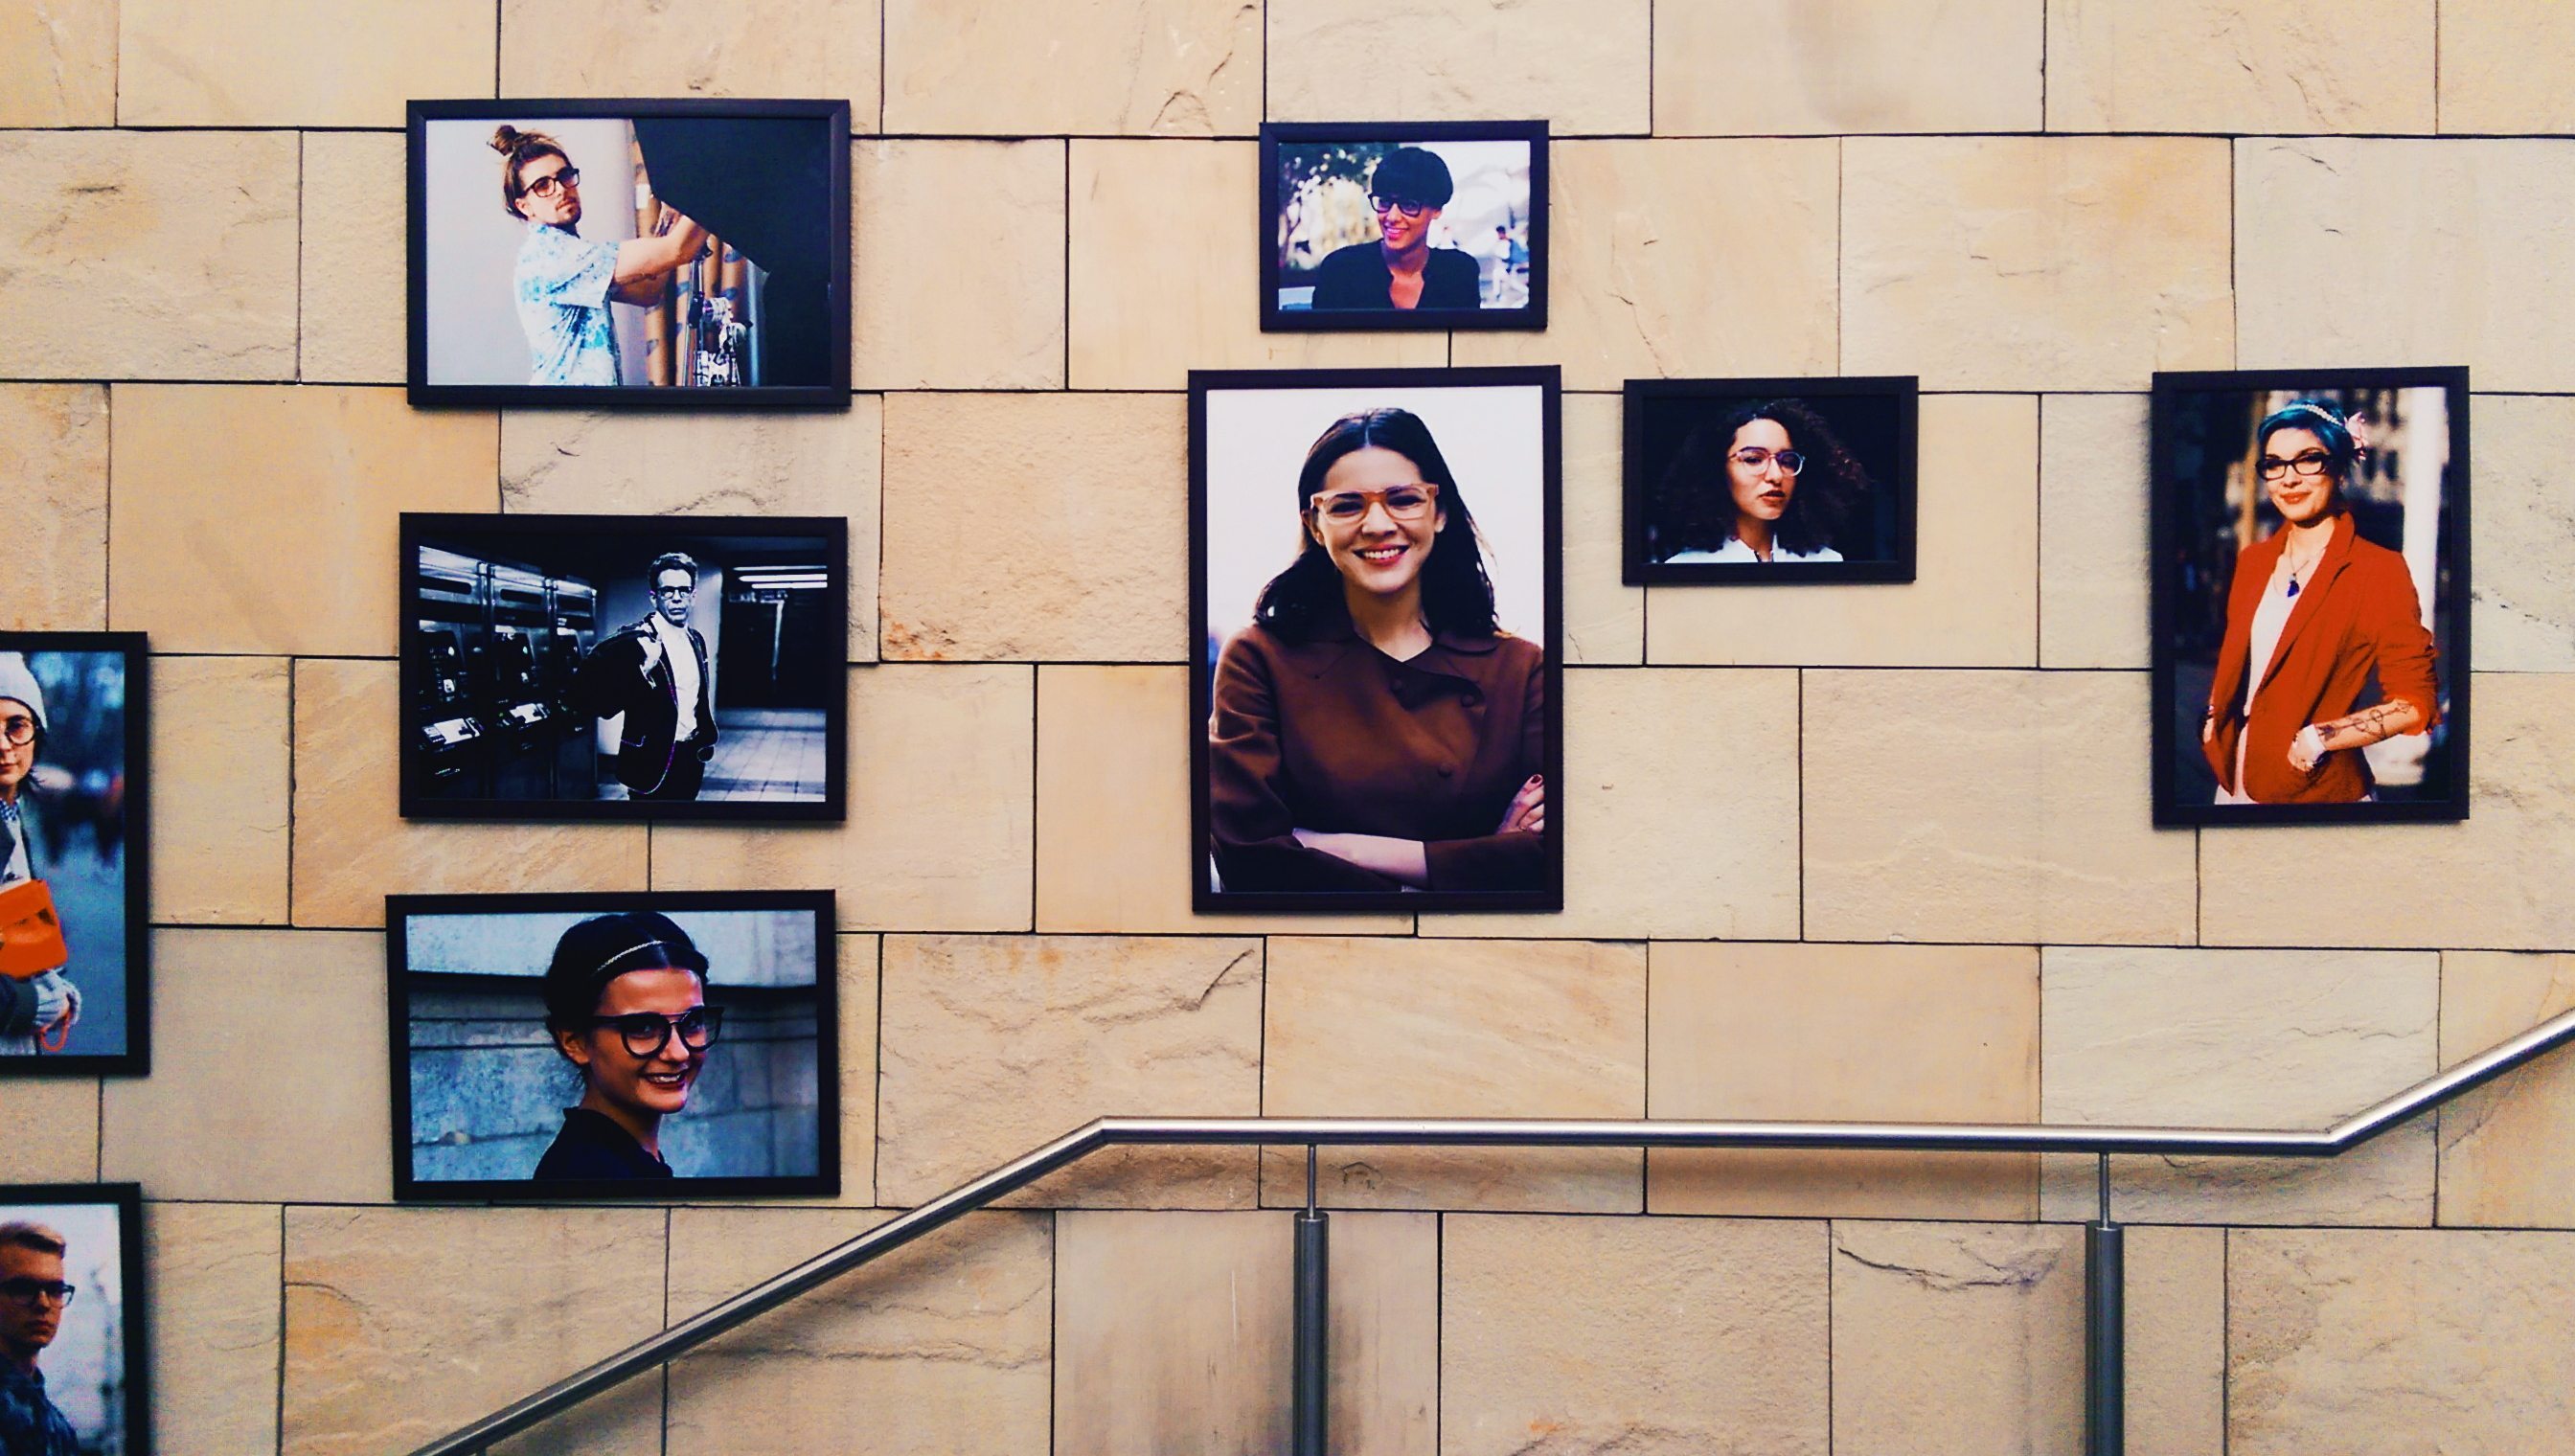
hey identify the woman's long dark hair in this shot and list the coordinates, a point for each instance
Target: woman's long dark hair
(1695, 501)
(1456, 595)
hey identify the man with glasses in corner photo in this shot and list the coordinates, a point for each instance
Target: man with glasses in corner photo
(33, 1297)
(656, 675)
(1402, 270)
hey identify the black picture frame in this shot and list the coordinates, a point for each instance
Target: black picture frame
(2192, 577)
(1545, 513)
(401, 982)
(115, 803)
(1276, 318)
(1880, 419)
(133, 1312)
(831, 117)
(431, 757)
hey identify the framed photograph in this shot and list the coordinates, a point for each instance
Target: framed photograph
(2311, 595)
(1377, 722)
(624, 667)
(75, 819)
(72, 1320)
(599, 1046)
(1396, 225)
(643, 254)
(1769, 481)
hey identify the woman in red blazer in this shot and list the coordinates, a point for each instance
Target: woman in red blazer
(2313, 614)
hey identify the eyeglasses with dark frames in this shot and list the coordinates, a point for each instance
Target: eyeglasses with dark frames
(34, 1292)
(647, 1032)
(1410, 207)
(18, 729)
(2305, 462)
(554, 182)
(1403, 503)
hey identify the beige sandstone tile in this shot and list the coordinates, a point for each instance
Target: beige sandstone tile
(2496, 881)
(1972, 1331)
(51, 1132)
(58, 63)
(222, 751)
(217, 487)
(2239, 1038)
(1454, 1029)
(1681, 810)
(1824, 67)
(1913, 1034)
(2414, 1341)
(1974, 598)
(404, 1323)
(352, 850)
(1604, 623)
(351, 259)
(1143, 312)
(773, 464)
(937, 303)
(295, 63)
(2504, 1147)
(53, 452)
(826, 48)
(1113, 810)
(937, 836)
(2230, 66)
(308, 1126)
(941, 1348)
(2522, 605)
(1995, 807)
(1650, 276)
(861, 966)
(993, 1045)
(2496, 214)
(1044, 526)
(149, 254)
(1584, 65)
(1188, 68)
(215, 1273)
(2177, 1341)
(1644, 1336)
(2035, 263)
(1174, 1331)
(2503, 68)
(2093, 518)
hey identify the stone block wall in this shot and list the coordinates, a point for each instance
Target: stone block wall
(1832, 851)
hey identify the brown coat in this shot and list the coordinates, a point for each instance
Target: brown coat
(1333, 734)
(2356, 615)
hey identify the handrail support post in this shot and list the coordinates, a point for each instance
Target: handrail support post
(2105, 1330)
(1307, 1409)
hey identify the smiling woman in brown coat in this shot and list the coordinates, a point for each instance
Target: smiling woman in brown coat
(1374, 729)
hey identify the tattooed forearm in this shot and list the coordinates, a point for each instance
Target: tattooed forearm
(2370, 724)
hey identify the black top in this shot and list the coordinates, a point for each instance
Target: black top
(1357, 276)
(591, 1145)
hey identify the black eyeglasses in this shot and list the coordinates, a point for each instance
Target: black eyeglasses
(2305, 462)
(647, 1032)
(18, 728)
(553, 182)
(675, 590)
(33, 1292)
(1409, 207)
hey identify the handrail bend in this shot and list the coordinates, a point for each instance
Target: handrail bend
(1104, 1132)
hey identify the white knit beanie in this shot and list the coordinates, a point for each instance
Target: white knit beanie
(16, 682)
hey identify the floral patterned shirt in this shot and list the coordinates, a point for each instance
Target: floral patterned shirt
(563, 285)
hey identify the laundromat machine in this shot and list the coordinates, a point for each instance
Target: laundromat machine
(495, 648)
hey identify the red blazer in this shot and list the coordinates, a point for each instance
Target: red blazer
(2356, 615)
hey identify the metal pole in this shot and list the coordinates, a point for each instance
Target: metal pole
(1306, 1413)
(2106, 1414)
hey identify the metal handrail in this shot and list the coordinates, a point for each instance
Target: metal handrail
(1105, 1133)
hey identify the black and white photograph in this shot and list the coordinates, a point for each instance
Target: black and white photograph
(624, 668)
(568, 1046)
(1769, 481)
(687, 254)
(1383, 225)
(2311, 659)
(1377, 722)
(74, 887)
(73, 1381)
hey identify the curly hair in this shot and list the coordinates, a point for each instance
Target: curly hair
(518, 149)
(1696, 506)
(1456, 593)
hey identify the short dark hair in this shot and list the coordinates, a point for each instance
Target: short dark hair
(671, 561)
(1456, 593)
(603, 947)
(1695, 508)
(2322, 419)
(1413, 174)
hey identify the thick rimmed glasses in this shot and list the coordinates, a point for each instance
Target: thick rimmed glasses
(18, 729)
(1754, 457)
(647, 1032)
(554, 182)
(34, 1292)
(1409, 207)
(2305, 462)
(1403, 503)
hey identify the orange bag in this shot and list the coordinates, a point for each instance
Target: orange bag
(31, 932)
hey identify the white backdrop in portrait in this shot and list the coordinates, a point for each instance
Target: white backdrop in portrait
(473, 243)
(86, 1361)
(1493, 437)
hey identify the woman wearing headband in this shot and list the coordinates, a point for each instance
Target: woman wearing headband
(626, 1004)
(2315, 614)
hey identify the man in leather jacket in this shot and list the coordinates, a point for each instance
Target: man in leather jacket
(655, 673)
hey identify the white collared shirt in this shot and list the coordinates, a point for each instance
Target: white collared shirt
(1736, 551)
(683, 657)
